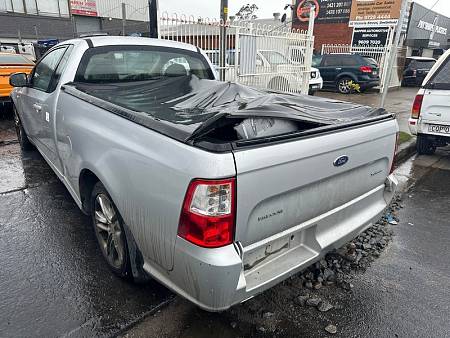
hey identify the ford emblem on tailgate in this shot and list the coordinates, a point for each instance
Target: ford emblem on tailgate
(340, 161)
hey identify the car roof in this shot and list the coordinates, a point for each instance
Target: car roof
(98, 41)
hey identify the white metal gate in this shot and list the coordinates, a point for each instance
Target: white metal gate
(262, 56)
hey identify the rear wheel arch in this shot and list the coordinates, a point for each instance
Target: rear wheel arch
(86, 182)
(350, 75)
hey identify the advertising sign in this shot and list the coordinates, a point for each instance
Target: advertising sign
(370, 37)
(83, 7)
(327, 11)
(371, 13)
(427, 29)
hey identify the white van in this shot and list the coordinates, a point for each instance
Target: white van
(430, 115)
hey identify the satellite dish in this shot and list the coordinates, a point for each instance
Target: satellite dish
(283, 18)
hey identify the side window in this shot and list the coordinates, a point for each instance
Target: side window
(441, 79)
(348, 60)
(332, 60)
(60, 69)
(43, 72)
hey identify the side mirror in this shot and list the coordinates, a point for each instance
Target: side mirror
(18, 80)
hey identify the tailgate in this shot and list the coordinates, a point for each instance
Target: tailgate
(436, 106)
(283, 185)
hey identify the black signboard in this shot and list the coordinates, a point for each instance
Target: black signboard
(327, 11)
(370, 37)
(427, 29)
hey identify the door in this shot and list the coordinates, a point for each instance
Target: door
(38, 102)
(329, 69)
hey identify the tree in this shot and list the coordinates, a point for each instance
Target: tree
(247, 12)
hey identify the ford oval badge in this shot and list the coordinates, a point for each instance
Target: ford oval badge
(340, 161)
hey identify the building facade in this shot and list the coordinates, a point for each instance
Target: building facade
(33, 20)
(427, 33)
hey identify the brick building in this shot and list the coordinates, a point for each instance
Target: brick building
(331, 21)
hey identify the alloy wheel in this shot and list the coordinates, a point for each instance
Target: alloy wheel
(344, 86)
(109, 232)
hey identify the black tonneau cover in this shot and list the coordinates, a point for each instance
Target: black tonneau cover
(185, 108)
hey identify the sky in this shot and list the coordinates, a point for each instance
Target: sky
(210, 8)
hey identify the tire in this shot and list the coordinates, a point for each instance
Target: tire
(342, 85)
(424, 146)
(24, 142)
(109, 232)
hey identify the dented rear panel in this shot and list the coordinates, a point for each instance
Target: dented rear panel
(297, 198)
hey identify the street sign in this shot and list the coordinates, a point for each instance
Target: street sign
(83, 7)
(374, 13)
(370, 37)
(327, 11)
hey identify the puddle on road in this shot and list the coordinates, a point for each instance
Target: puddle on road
(11, 168)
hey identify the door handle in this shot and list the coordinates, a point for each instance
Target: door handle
(338, 68)
(37, 107)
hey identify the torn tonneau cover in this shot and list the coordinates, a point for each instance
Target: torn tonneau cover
(187, 107)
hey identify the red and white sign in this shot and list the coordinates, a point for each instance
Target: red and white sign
(83, 7)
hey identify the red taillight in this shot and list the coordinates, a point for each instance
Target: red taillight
(417, 106)
(395, 153)
(208, 215)
(365, 69)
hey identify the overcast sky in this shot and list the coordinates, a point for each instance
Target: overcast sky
(210, 8)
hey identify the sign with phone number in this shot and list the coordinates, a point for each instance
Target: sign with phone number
(327, 11)
(370, 37)
(370, 12)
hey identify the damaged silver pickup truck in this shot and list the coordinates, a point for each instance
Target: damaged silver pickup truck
(217, 190)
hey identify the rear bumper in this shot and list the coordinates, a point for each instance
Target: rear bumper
(369, 83)
(216, 279)
(315, 84)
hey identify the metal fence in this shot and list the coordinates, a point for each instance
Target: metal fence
(380, 54)
(262, 56)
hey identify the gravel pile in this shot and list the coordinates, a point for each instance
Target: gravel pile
(337, 266)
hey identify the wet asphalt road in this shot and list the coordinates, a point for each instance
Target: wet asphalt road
(53, 281)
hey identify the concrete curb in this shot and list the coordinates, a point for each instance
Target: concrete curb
(405, 151)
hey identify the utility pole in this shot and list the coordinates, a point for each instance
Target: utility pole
(393, 53)
(223, 37)
(153, 18)
(124, 18)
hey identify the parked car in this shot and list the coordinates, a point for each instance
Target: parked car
(416, 68)
(217, 190)
(340, 70)
(430, 115)
(11, 63)
(272, 70)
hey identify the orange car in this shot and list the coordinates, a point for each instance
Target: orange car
(9, 64)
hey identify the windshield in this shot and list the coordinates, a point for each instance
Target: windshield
(115, 64)
(422, 64)
(274, 58)
(316, 59)
(14, 59)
